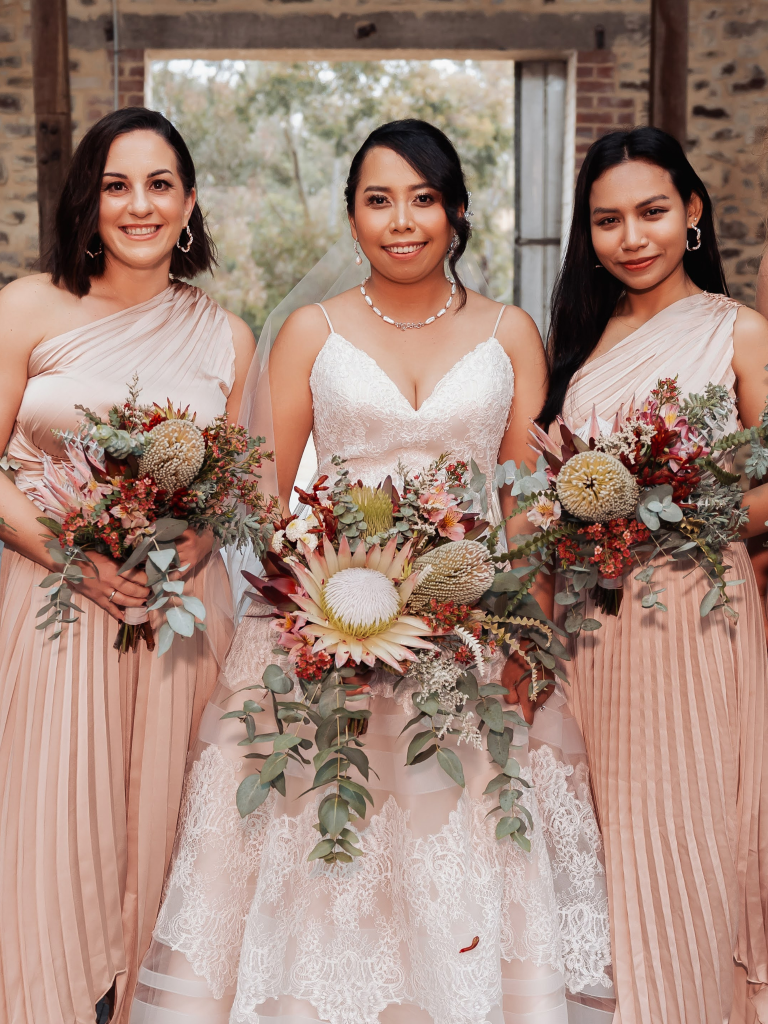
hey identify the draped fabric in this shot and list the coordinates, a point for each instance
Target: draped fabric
(673, 712)
(93, 746)
(250, 931)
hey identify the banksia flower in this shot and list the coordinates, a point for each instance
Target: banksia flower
(460, 572)
(376, 506)
(173, 454)
(596, 487)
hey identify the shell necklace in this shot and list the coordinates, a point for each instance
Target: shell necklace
(408, 326)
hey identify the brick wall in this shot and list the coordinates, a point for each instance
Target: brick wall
(601, 103)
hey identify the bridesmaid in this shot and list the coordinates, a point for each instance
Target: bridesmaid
(92, 748)
(672, 706)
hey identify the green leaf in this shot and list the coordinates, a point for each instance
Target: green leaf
(646, 575)
(251, 794)
(709, 601)
(451, 764)
(498, 746)
(164, 639)
(51, 580)
(649, 600)
(650, 519)
(181, 621)
(496, 783)
(506, 826)
(467, 684)
(412, 721)
(330, 770)
(506, 582)
(323, 848)
(353, 851)
(273, 766)
(426, 703)
(522, 841)
(425, 755)
(512, 769)
(356, 801)
(333, 813)
(355, 787)
(286, 742)
(50, 524)
(493, 690)
(419, 741)
(589, 625)
(491, 713)
(331, 699)
(358, 759)
(566, 597)
(193, 605)
(162, 558)
(276, 680)
(671, 513)
(507, 800)
(173, 586)
(252, 707)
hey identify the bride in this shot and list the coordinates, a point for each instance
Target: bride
(250, 931)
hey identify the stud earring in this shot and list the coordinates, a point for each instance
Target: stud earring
(190, 239)
(358, 257)
(688, 246)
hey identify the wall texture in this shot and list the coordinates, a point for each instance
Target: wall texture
(728, 87)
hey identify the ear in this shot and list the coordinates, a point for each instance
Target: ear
(695, 209)
(189, 205)
(352, 227)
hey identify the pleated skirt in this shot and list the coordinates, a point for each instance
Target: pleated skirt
(673, 710)
(92, 757)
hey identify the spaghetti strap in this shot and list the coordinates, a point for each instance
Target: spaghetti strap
(325, 314)
(498, 319)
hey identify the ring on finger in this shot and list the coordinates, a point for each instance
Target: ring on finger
(112, 594)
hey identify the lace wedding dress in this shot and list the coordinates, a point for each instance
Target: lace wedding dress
(251, 932)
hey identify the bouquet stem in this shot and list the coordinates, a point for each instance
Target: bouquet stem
(129, 637)
(608, 601)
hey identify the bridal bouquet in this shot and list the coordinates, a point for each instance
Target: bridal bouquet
(130, 486)
(407, 583)
(648, 486)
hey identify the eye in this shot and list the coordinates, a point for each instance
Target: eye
(607, 221)
(424, 199)
(654, 211)
(114, 186)
(377, 200)
(159, 185)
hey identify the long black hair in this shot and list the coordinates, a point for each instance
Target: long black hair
(77, 214)
(432, 154)
(585, 296)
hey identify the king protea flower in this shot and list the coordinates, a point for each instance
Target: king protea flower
(354, 604)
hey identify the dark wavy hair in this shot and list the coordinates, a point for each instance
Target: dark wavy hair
(585, 296)
(432, 154)
(77, 214)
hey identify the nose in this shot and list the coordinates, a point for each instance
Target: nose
(401, 216)
(634, 235)
(141, 202)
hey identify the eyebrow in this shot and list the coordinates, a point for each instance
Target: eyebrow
(385, 188)
(152, 174)
(638, 206)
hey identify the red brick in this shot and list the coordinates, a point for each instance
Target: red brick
(593, 85)
(617, 102)
(595, 57)
(604, 71)
(132, 84)
(592, 117)
(585, 102)
(584, 71)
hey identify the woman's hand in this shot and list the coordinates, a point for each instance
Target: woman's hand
(193, 548)
(109, 591)
(518, 688)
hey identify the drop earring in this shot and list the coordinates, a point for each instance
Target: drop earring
(190, 239)
(688, 246)
(358, 257)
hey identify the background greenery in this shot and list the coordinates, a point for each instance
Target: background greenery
(272, 142)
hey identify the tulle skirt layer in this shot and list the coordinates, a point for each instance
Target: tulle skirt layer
(251, 931)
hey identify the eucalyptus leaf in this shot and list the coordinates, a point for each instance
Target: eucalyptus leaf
(506, 826)
(168, 528)
(333, 813)
(709, 601)
(164, 639)
(496, 783)
(491, 713)
(451, 765)
(193, 605)
(273, 766)
(419, 741)
(173, 586)
(181, 621)
(566, 597)
(323, 848)
(589, 625)
(498, 746)
(162, 558)
(276, 680)
(522, 841)
(507, 800)
(354, 799)
(251, 794)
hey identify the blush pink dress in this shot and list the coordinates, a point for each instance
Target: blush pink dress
(673, 712)
(92, 748)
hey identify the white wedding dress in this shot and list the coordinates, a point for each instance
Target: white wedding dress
(250, 932)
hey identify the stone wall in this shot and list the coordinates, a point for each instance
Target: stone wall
(727, 92)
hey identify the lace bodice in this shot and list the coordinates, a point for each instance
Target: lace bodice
(361, 414)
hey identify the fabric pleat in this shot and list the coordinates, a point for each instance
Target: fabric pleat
(93, 746)
(673, 712)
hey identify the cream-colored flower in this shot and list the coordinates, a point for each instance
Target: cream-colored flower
(299, 530)
(354, 604)
(596, 487)
(173, 454)
(278, 538)
(461, 572)
(544, 513)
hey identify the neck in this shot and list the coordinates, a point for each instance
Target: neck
(411, 301)
(642, 305)
(129, 286)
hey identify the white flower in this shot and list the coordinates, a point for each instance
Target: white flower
(277, 541)
(544, 513)
(298, 530)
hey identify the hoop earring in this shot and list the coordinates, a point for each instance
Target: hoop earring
(688, 246)
(98, 252)
(358, 257)
(454, 245)
(190, 239)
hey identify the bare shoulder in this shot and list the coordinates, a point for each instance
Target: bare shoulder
(519, 336)
(27, 307)
(302, 335)
(750, 338)
(242, 335)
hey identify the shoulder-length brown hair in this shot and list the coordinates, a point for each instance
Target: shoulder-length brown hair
(77, 214)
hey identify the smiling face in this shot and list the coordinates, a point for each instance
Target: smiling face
(399, 220)
(640, 223)
(143, 207)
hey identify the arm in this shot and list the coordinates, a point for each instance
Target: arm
(750, 356)
(761, 299)
(522, 343)
(20, 305)
(297, 346)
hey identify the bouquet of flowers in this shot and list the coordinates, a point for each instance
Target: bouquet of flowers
(410, 583)
(133, 483)
(649, 486)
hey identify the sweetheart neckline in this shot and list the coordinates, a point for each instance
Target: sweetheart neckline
(416, 411)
